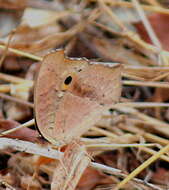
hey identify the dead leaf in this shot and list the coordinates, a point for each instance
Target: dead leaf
(161, 176)
(40, 39)
(13, 4)
(69, 170)
(91, 178)
(160, 25)
(24, 133)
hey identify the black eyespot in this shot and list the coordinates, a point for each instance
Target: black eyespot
(68, 80)
(111, 110)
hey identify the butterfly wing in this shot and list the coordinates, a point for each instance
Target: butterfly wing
(65, 109)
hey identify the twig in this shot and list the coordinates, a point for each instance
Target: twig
(153, 2)
(142, 104)
(160, 126)
(110, 146)
(146, 24)
(54, 38)
(105, 132)
(112, 15)
(10, 98)
(150, 30)
(5, 88)
(14, 79)
(142, 167)
(127, 4)
(119, 173)
(160, 77)
(6, 49)
(153, 152)
(22, 53)
(132, 77)
(101, 131)
(147, 83)
(25, 146)
(27, 124)
(135, 67)
(146, 68)
(4, 183)
(48, 152)
(130, 34)
(148, 136)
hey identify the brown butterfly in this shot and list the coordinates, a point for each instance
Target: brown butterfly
(72, 94)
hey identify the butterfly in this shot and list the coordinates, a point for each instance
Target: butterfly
(72, 94)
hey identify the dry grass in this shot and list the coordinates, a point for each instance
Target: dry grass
(131, 136)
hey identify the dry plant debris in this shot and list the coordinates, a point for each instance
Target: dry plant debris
(120, 142)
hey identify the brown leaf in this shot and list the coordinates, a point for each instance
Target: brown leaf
(161, 176)
(13, 4)
(71, 167)
(31, 39)
(160, 25)
(40, 39)
(24, 133)
(91, 178)
(71, 95)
